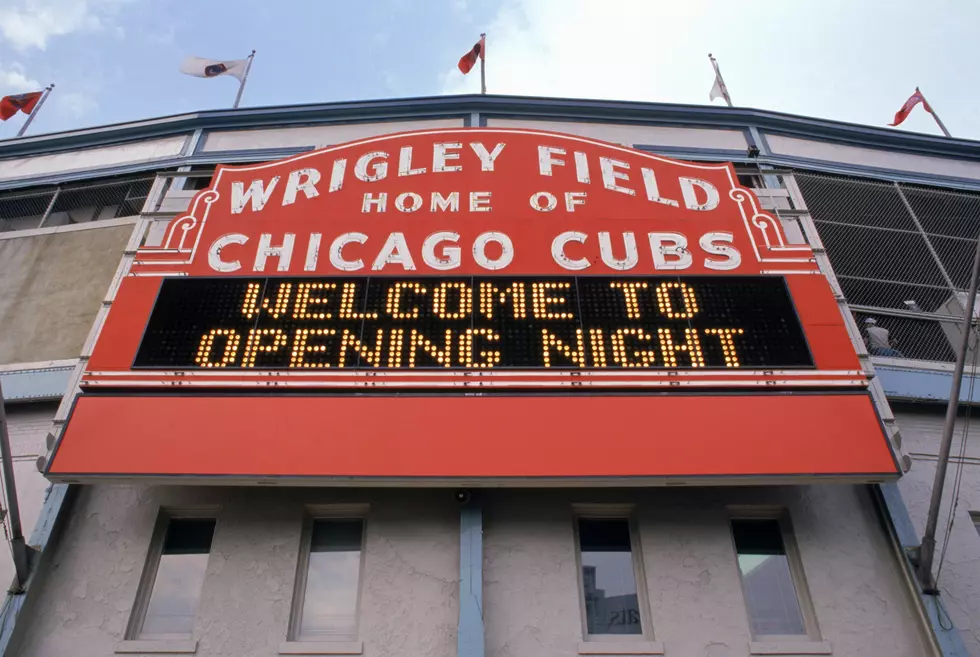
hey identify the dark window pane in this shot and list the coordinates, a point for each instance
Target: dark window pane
(330, 602)
(770, 594)
(608, 577)
(179, 579)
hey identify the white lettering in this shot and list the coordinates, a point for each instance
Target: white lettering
(710, 243)
(394, 252)
(337, 174)
(450, 203)
(337, 248)
(550, 202)
(688, 186)
(449, 258)
(506, 250)
(405, 163)
(257, 193)
(312, 252)
(486, 159)
(214, 253)
(653, 191)
(632, 255)
(608, 167)
(301, 180)
(266, 250)
(479, 201)
(378, 169)
(401, 206)
(546, 161)
(379, 203)
(574, 198)
(441, 153)
(581, 168)
(558, 251)
(673, 245)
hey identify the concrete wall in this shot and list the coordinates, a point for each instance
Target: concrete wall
(959, 579)
(54, 282)
(409, 603)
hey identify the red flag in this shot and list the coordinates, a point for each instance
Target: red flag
(467, 61)
(10, 105)
(909, 105)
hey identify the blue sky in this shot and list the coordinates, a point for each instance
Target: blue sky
(850, 60)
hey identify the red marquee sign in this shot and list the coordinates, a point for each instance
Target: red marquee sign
(451, 262)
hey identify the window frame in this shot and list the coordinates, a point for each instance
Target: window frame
(325, 512)
(797, 573)
(613, 512)
(151, 566)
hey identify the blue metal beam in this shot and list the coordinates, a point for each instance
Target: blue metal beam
(470, 633)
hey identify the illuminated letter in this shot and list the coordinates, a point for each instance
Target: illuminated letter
(214, 253)
(629, 296)
(337, 248)
(265, 249)
(303, 300)
(598, 347)
(551, 341)
(296, 183)
(441, 153)
(673, 245)
(394, 252)
(439, 297)
(444, 356)
(254, 344)
(347, 303)
(486, 159)
(608, 167)
(490, 358)
(653, 191)
(687, 294)
(618, 339)
(727, 344)
(301, 348)
(405, 163)
(232, 339)
(395, 347)
(349, 340)
(490, 294)
(251, 306)
(546, 161)
(540, 300)
(378, 171)
(393, 301)
(691, 197)
(256, 193)
(558, 251)
(710, 243)
(691, 345)
(450, 254)
(506, 250)
(605, 249)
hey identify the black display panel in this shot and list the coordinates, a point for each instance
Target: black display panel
(474, 323)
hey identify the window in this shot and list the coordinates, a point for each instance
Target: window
(173, 579)
(328, 581)
(772, 580)
(611, 602)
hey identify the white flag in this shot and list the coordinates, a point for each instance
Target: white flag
(716, 90)
(212, 68)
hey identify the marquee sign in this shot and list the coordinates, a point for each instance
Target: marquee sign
(452, 261)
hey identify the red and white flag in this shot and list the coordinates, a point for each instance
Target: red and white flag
(909, 105)
(478, 51)
(10, 105)
(212, 68)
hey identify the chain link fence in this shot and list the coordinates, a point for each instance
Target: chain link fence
(902, 255)
(73, 203)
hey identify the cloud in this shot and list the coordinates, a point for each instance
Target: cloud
(74, 104)
(13, 80)
(27, 24)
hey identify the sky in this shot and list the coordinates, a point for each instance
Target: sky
(848, 60)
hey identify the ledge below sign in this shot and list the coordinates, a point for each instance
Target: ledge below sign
(616, 440)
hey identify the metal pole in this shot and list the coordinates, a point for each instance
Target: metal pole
(483, 60)
(721, 80)
(21, 553)
(241, 86)
(932, 111)
(37, 108)
(927, 549)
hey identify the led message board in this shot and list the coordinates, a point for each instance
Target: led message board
(474, 323)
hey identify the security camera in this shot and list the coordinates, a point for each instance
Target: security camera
(753, 151)
(463, 496)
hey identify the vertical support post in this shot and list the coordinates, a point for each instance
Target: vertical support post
(483, 63)
(21, 553)
(50, 208)
(241, 86)
(470, 633)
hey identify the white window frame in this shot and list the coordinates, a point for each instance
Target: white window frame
(325, 512)
(797, 574)
(134, 629)
(614, 512)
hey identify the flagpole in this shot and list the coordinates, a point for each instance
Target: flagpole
(932, 111)
(37, 108)
(721, 80)
(483, 71)
(241, 86)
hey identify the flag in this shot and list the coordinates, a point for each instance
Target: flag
(467, 61)
(717, 90)
(212, 68)
(10, 105)
(909, 105)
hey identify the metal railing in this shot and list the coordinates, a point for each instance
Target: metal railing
(73, 203)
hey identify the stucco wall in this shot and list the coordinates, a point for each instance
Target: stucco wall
(52, 287)
(959, 579)
(409, 599)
